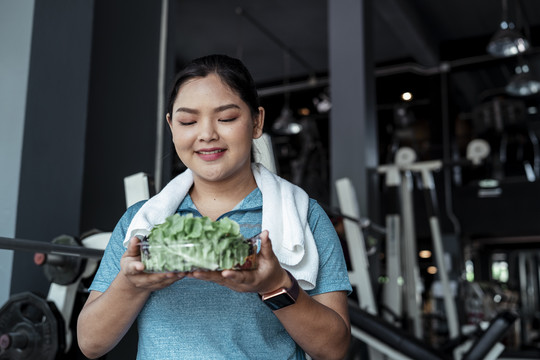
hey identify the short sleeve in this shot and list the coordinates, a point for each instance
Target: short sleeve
(110, 263)
(333, 275)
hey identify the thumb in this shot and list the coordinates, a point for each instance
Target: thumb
(266, 245)
(134, 248)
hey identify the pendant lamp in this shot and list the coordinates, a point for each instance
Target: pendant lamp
(522, 83)
(286, 124)
(507, 41)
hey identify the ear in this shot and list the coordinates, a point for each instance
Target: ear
(258, 123)
(169, 120)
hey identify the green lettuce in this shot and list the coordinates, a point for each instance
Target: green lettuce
(186, 243)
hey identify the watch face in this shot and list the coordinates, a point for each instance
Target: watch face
(279, 300)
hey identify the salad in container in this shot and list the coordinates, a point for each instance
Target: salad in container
(187, 243)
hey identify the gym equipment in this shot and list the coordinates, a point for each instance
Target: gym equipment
(48, 248)
(137, 187)
(66, 261)
(359, 274)
(414, 286)
(516, 150)
(425, 169)
(30, 328)
(397, 344)
(392, 291)
(403, 279)
(386, 340)
(528, 266)
(61, 269)
(383, 335)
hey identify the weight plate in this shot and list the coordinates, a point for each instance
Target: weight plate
(30, 328)
(64, 270)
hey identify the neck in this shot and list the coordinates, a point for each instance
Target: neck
(213, 199)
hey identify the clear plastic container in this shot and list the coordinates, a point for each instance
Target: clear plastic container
(185, 257)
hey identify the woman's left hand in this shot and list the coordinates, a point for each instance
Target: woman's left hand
(318, 324)
(268, 276)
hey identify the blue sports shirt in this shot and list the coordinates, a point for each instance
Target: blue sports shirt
(195, 319)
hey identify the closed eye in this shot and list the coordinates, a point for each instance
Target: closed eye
(228, 120)
(186, 123)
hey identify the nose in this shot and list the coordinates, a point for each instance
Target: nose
(207, 131)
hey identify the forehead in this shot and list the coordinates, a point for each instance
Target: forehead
(211, 85)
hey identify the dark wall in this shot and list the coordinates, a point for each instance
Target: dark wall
(49, 201)
(121, 128)
(90, 121)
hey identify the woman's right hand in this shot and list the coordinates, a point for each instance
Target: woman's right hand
(123, 300)
(133, 270)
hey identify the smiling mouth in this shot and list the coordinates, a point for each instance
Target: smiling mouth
(209, 152)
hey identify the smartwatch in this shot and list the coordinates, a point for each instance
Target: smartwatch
(282, 297)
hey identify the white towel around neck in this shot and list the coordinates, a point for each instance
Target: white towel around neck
(284, 215)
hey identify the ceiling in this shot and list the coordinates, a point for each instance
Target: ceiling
(425, 33)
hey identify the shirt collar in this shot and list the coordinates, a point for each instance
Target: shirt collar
(252, 201)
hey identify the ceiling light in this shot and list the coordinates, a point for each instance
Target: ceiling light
(286, 124)
(304, 111)
(406, 96)
(507, 41)
(522, 83)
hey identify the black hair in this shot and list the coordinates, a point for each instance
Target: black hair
(230, 70)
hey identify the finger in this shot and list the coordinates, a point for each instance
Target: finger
(174, 278)
(205, 275)
(135, 267)
(133, 247)
(181, 275)
(138, 266)
(234, 275)
(155, 281)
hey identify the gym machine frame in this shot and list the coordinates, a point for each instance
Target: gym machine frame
(383, 337)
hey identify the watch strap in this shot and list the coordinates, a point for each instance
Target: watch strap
(294, 290)
(282, 297)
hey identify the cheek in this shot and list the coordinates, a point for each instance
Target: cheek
(180, 139)
(182, 133)
(247, 130)
(244, 135)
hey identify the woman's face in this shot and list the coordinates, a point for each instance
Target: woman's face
(212, 129)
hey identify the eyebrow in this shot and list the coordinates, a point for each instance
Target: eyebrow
(216, 110)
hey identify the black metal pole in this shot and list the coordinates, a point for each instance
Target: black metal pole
(49, 248)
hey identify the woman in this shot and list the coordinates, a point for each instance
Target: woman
(214, 115)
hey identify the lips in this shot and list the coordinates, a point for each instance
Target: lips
(210, 154)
